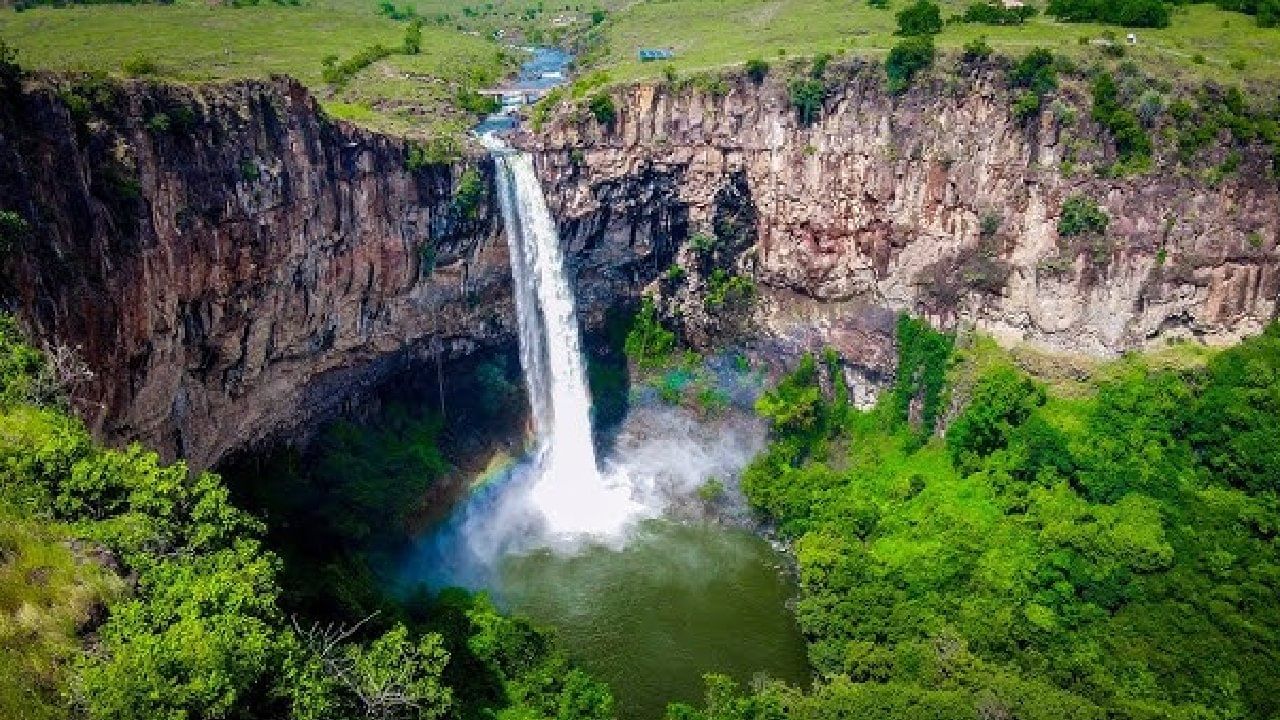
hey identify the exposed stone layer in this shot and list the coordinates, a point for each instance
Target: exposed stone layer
(241, 267)
(879, 207)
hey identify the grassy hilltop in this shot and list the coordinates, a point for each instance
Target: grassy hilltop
(712, 33)
(464, 47)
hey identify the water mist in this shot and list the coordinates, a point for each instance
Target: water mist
(559, 497)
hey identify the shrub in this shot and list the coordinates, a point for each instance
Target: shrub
(703, 243)
(477, 104)
(819, 66)
(757, 69)
(602, 109)
(990, 13)
(1035, 71)
(1266, 12)
(712, 401)
(807, 96)
(158, 123)
(921, 18)
(1133, 145)
(12, 229)
(1081, 216)
(1130, 13)
(334, 72)
(413, 38)
(1150, 105)
(906, 60)
(648, 342)
(468, 194)
(725, 291)
(436, 152)
(977, 48)
(249, 170)
(139, 64)
(10, 71)
(1027, 104)
(711, 491)
(711, 84)
(924, 355)
(989, 225)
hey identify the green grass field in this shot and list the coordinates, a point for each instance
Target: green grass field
(713, 33)
(414, 95)
(411, 94)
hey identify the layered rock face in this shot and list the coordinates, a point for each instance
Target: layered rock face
(940, 202)
(232, 265)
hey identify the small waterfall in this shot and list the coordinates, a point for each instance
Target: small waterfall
(569, 490)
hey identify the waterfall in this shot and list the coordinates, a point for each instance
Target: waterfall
(568, 490)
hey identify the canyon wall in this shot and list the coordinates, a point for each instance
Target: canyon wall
(940, 202)
(231, 264)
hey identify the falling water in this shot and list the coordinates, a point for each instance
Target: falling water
(569, 490)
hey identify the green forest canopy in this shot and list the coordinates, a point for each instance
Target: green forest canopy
(187, 603)
(1109, 555)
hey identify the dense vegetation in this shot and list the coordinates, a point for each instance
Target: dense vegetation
(1107, 554)
(194, 617)
(1130, 13)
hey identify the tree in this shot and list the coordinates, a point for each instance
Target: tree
(757, 69)
(1003, 399)
(906, 59)
(1035, 71)
(807, 95)
(195, 643)
(1081, 216)
(413, 38)
(1130, 13)
(393, 677)
(1234, 419)
(10, 71)
(924, 17)
(648, 343)
(796, 408)
(603, 109)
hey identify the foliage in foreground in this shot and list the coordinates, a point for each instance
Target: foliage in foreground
(202, 633)
(1107, 556)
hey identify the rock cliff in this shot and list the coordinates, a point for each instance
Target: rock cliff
(231, 264)
(940, 201)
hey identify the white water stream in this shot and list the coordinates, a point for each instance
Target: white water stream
(561, 498)
(569, 491)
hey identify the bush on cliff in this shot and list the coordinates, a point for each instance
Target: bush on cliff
(1080, 216)
(807, 95)
(602, 109)
(906, 60)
